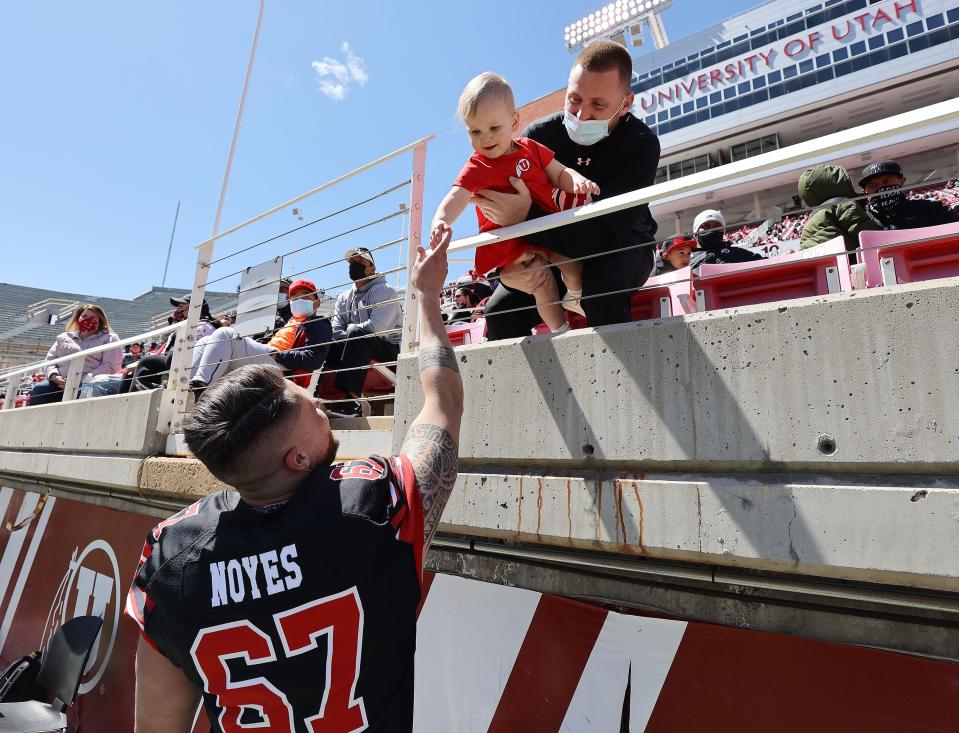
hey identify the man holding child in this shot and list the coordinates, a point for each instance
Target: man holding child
(599, 138)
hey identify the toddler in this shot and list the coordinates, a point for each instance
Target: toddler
(488, 109)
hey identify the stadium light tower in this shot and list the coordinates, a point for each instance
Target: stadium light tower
(620, 21)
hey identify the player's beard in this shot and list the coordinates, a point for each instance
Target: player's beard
(331, 449)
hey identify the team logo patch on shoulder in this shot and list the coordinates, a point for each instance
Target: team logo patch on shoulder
(362, 468)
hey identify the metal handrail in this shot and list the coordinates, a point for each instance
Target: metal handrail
(872, 132)
(30, 368)
(313, 191)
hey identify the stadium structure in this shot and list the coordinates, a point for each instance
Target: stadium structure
(738, 512)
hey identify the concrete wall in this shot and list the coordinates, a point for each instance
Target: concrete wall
(745, 389)
(125, 425)
(903, 533)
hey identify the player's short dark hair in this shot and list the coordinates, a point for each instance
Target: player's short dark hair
(234, 413)
(605, 56)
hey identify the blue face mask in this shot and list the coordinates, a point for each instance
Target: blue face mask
(301, 307)
(587, 132)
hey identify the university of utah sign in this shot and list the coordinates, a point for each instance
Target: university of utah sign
(845, 31)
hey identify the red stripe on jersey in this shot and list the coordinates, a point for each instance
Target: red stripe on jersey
(549, 665)
(138, 611)
(411, 530)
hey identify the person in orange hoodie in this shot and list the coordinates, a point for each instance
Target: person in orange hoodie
(300, 347)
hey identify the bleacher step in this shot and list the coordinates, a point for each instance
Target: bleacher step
(362, 423)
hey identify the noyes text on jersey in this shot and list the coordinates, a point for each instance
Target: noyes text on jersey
(270, 572)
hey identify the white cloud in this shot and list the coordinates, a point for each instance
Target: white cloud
(335, 77)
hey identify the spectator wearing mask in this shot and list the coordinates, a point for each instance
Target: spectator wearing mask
(149, 371)
(132, 356)
(883, 181)
(86, 329)
(367, 319)
(708, 229)
(837, 213)
(300, 346)
(674, 254)
(598, 136)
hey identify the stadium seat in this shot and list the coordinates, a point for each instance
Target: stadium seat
(816, 271)
(663, 296)
(462, 334)
(376, 385)
(910, 255)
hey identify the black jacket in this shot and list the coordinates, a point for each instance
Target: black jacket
(311, 331)
(725, 254)
(624, 161)
(916, 213)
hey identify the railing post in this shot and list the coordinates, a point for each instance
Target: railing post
(410, 304)
(174, 406)
(13, 386)
(74, 375)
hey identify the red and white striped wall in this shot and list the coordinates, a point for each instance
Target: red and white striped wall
(491, 658)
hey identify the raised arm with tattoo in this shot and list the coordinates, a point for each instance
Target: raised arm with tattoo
(432, 441)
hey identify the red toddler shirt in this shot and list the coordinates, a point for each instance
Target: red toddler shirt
(528, 162)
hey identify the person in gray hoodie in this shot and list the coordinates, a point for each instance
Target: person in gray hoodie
(367, 319)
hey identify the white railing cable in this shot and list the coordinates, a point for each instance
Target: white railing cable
(312, 192)
(381, 194)
(318, 243)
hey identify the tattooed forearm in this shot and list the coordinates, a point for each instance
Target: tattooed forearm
(438, 356)
(433, 453)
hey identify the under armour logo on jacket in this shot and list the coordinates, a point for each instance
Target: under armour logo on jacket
(583, 161)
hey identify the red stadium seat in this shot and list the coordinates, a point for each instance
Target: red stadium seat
(376, 385)
(461, 334)
(910, 255)
(815, 271)
(663, 296)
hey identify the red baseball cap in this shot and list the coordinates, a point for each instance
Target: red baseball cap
(303, 284)
(676, 243)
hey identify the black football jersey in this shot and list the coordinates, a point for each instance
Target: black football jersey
(293, 619)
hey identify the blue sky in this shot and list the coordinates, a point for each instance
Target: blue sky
(116, 110)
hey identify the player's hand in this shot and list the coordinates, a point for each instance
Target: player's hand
(440, 231)
(504, 208)
(430, 268)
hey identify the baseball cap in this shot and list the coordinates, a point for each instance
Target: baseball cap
(708, 215)
(185, 300)
(302, 284)
(880, 168)
(675, 243)
(361, 252)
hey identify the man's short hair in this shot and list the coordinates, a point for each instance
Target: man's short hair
(607, 55)
(235, 414)
(481, 88)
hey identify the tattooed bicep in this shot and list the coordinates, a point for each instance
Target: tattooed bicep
(433, 455)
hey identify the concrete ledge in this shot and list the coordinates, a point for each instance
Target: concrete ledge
(115, 472)
(185, 479)
(892, 534)
(124, 424)
(363, 443)
(747, 389)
